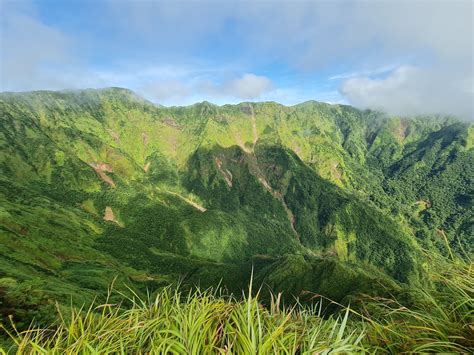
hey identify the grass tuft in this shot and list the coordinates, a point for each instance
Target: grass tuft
(206, 321)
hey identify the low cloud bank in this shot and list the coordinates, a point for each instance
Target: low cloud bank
(410, 90)
(246, 87)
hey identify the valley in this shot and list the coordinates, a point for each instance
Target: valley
(102, 185)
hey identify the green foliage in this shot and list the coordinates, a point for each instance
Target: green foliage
(440, 322)
(328, 199)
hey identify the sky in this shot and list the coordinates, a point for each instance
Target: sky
(403, 57)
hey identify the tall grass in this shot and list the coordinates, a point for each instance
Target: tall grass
(199, 323)
(202, 322)
(442, 320)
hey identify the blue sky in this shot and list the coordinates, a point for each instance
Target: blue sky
(403, 57)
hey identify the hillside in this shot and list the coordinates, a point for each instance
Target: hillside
(98, 184)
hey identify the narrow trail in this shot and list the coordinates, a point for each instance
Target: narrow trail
(187, 200)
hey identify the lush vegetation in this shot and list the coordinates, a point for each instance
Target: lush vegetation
(97, 185)
(210, 322)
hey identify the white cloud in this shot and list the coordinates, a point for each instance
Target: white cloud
(314, 35)
(164, 91)
(411, 90)
(296, 95)
(249, 86)
(366, 72)
(308, 36)
(30, 51)
(192, 87)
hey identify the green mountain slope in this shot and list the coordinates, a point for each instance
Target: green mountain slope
(323, 198)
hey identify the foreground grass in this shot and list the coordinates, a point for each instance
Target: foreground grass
(206, 322)
(203, 322)
(442, 320)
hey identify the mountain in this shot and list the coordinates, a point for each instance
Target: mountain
(328, 199)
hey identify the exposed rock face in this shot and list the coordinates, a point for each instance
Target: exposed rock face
(109, 215)
(101, 169)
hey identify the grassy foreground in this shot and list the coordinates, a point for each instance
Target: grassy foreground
(206, 322)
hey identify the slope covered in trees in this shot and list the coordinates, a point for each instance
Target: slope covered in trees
(97, 184)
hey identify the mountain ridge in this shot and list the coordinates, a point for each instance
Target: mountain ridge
(132, 93)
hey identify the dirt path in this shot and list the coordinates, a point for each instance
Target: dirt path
(187, 200)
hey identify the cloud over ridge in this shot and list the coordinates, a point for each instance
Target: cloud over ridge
(405, 57)
(413, 91)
